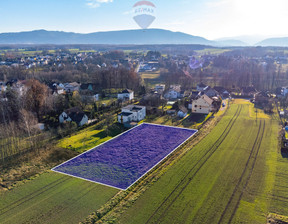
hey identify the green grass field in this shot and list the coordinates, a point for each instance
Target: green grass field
(52, 198)
(150, 75)
(212, 51)
(84, 140)
(234, 175)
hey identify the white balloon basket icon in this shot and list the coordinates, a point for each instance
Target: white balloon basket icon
(144, 13)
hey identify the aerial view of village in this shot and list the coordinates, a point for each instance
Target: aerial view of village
(144, 122)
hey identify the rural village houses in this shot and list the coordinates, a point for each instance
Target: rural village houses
(74, 115)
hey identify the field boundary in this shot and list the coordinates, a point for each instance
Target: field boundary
(107, 185)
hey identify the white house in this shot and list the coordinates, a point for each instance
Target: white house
(74, 114)
(132, 113)
(173, 93)
(96, 97)
(126, 94)
(202, 105)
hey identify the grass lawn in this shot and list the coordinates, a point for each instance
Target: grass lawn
(88, 138)
(212, 51)
(150, 75)
(52, 198)
(236, 174)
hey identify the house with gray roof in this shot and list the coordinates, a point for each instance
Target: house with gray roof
(132, 113)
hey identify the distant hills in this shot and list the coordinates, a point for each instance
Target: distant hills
(277, 42)
(125, 37)
(149, 36)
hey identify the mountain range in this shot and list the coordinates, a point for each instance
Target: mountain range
(135, 37)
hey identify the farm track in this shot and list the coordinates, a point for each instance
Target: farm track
(33, 195)
(192, 174)
(251, 162)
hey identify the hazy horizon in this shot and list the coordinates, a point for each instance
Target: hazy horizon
(211, 19)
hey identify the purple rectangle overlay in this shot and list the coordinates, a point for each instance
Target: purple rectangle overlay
(123, 160)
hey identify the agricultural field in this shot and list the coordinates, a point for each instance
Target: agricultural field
(151, 78)
(150, 75)
(212, 51)
(123, 160)
(237, 174)
(52, 198)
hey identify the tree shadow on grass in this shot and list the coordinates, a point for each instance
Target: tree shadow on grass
(112, 131)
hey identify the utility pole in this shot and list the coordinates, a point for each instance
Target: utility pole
(256, 114)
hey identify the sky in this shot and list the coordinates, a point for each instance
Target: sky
(211, 19)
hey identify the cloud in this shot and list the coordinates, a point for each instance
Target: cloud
(128, 12)
(96, 3)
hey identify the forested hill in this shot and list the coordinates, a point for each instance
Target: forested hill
(149, 36)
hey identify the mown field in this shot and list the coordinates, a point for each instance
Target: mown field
(235, 175)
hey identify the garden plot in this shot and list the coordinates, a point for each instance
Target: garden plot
(120, 162)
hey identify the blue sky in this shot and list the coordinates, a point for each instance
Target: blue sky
(208, 18)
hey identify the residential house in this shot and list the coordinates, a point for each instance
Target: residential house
(200, 87)
(224, 93)
(182, 112)
(249, 91)
(126, 94)
(3, 87)
(202, 105)
(159, 88)
(210, 92)
(173, 93)
(284, 91)
(89, 91)
(74, 114)
(88, 86)
(132, 113)
(56, 89)
(71, 87)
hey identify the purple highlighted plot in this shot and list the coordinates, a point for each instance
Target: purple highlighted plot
(123, 160)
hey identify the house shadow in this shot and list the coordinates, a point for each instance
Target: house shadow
(284, 153)
(194, 119)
